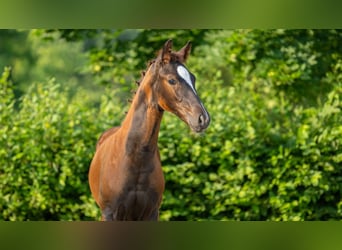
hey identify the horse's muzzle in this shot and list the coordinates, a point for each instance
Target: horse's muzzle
(200, 123)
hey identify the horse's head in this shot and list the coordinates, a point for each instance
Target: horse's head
(175, 86)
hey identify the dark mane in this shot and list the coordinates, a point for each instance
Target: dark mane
(142, 73)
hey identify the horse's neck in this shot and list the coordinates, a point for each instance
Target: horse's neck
(142, 122)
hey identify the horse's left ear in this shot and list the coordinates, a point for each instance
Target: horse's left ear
(184, 52)
(165, 53)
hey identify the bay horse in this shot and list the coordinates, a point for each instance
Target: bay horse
(125, 176)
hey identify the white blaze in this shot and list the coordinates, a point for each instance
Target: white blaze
(184, 73)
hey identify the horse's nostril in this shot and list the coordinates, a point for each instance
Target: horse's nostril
(200, 120)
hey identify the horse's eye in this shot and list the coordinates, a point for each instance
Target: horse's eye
(172, 81)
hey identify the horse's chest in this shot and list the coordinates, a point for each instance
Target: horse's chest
(134, 190)
(138, 199)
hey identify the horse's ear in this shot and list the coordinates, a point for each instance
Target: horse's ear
(165, 52)
(185, 51)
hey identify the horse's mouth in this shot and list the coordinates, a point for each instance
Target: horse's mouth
(198, 129)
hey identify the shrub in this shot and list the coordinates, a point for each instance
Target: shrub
(46, 148)
(266, 154)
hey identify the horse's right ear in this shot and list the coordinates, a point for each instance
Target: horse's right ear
(184, 52)
(165, 53)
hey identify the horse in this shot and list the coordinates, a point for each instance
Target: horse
(125, 176)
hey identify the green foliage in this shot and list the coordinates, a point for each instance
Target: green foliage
(266, 155)
(261, 158)
(116, 57)
(272, 150)
(33, 60)
(16, 52)
(46, 147)
(292, 60)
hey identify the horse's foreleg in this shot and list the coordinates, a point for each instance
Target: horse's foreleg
(154, 215)
(107, 214)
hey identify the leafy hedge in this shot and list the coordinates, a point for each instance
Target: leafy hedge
(272, 152)
(261, 159)
(269, 153)
(46, 147)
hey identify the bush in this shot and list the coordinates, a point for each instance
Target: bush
(46, 148)
(261, 159)
(267, 154)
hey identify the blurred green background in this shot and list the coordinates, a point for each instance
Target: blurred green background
(272, 151)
